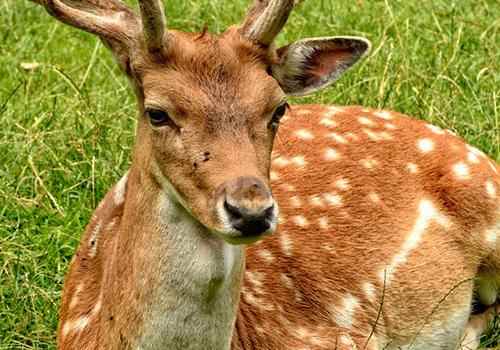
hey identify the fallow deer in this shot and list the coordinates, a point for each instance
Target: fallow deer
(385, 222)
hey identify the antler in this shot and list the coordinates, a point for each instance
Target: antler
(265, 20)
(153, 24)
(110, 19)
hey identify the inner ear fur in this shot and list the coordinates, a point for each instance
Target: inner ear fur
(312, 64)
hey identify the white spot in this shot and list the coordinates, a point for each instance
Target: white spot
(425, 145)
(75, 298)
(333, 199)
(287, 281)
(390, 126)
(383, 114)
(369, 163)
(328, 123)
(347, 341)
(302, 333)
(120, 190)
(256, 279)
(94, 237)
(251, 298)
(75, 326)
(274, 176)
(281, 161)
(384, 135)
(372, 135)
(301, 221)
(338, 138)
(97, 306)
(374, 197)
(342, 184)
(302, 111)
(472, 158)
(366, 121)
(316, 201)
(426, 213)
(369, 290)
(461, 171)
(259, 330)
(491, 237)
(332, 110)
(295, 201)
(490, 189)
(435, 129)
(412, 168)
(323, 223)
(299, 161)
(288, 187)
(475, 151)
(327, 247)
(286, 243)
(344, 316)
(266, 255)
(304, 134)
(331, 154)
(493, 167)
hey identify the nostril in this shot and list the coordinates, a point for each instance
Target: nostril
(249, 223)
(233, 211)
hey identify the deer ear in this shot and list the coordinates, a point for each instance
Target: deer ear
(309, 65)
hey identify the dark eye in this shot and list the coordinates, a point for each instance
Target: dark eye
(278, 114)
(160, 118)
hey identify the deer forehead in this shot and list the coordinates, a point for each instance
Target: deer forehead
(205, 72)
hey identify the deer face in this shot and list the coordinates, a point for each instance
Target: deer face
(210, 114)
(210, 105)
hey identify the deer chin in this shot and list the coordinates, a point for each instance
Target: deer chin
(235, 237)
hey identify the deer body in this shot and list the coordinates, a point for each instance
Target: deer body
(391, 233)
(319, 282)
(386, 222)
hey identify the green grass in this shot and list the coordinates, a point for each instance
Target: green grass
(67, 126)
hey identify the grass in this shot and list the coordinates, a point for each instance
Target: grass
(67, 125)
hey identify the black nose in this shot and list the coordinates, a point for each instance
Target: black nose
(249, 223)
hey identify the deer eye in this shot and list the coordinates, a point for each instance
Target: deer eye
(159, 118)
(278, 114)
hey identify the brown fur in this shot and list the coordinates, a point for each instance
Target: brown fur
(386, 220)
(323, 265)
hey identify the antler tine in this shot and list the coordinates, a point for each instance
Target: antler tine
(266, 19)
(90, 20)
(153, 24)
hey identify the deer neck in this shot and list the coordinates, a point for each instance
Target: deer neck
(187, 279)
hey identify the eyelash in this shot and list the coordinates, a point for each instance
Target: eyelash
(160, 118)
(279, 112)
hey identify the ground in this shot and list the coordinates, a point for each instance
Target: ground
(68, 117)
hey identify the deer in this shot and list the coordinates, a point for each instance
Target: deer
(246, 223)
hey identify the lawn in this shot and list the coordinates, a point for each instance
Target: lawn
(68, 117)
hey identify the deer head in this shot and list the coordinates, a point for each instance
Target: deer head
(210, 105)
